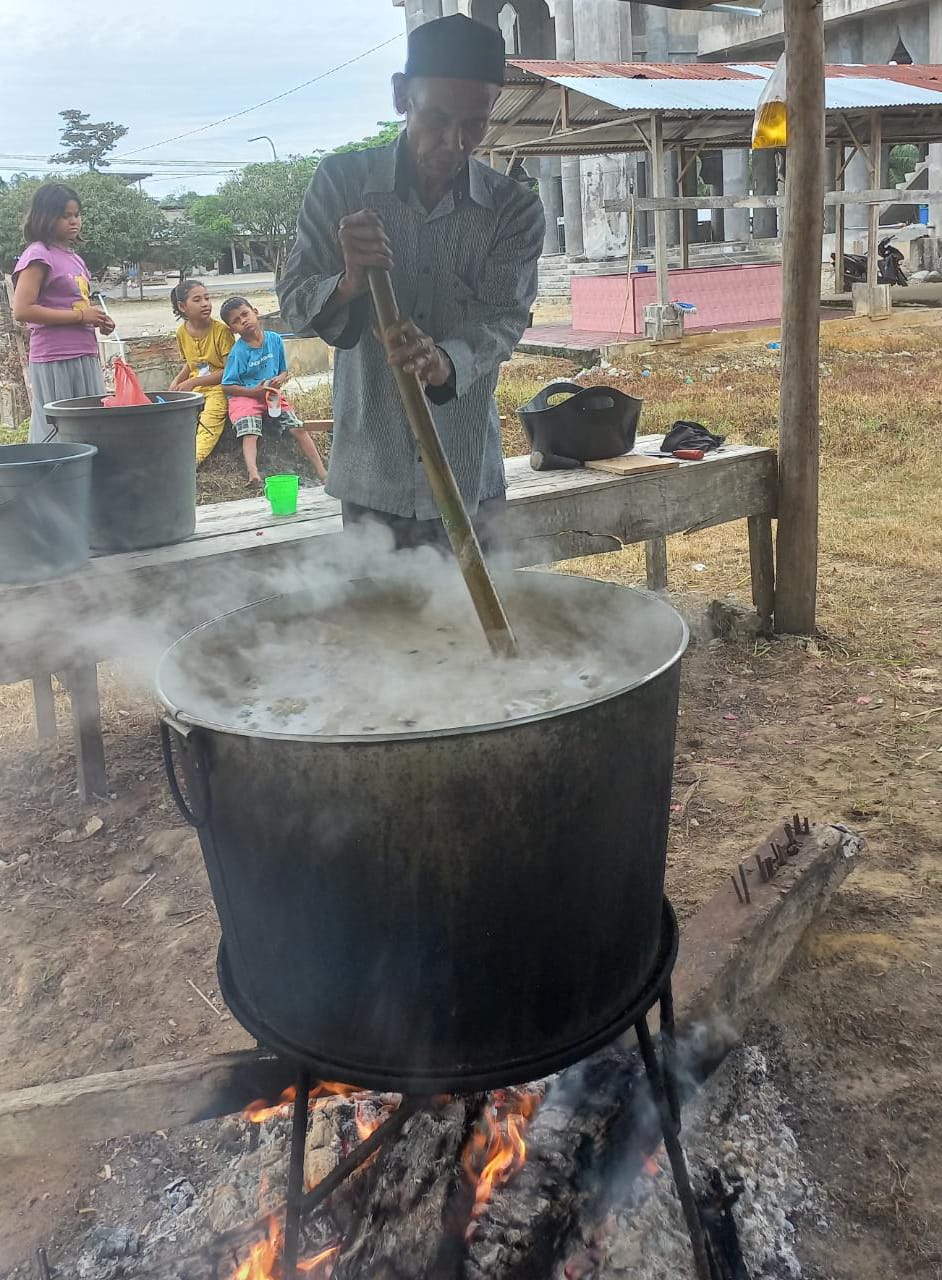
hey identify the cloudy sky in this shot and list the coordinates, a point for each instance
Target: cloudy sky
(166, 67)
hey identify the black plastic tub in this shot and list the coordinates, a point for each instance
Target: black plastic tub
(144, 482)
(588, 424)
(45, 500)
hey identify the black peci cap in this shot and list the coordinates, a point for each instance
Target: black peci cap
(456, 48)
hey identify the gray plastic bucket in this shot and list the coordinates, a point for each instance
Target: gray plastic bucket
(144, 481)
(45, 499)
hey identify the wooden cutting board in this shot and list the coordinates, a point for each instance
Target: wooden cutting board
(630, 464)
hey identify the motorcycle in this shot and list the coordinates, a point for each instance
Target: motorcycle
(889, 270)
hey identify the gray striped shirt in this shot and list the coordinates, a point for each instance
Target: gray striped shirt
(465, 273)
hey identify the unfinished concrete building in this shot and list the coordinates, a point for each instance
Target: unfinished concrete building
(574, 190)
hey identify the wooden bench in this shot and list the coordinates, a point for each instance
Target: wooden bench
(131, 605)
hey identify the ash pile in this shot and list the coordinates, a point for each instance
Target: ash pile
(752, 1186)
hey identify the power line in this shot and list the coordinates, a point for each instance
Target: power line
(176, 164)
(277, 98)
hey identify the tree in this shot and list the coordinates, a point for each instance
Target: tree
(176, 199)
(387, 131)
(118, 223)
(904, 158)
(264, 201)
(87, 143)
(14, 202)
(195, 240)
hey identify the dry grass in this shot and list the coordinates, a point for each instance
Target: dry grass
(880, 486)
(880, 481)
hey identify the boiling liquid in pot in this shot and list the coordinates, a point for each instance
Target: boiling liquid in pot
(393, 659)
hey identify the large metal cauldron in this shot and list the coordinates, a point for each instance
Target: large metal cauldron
(442, 911)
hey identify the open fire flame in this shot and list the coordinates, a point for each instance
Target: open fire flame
(261, 1109)
(496, 1149)
(264, 1261)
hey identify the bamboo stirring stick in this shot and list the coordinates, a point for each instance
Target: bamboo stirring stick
(441, 479)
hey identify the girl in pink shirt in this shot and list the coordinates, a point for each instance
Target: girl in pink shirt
(51, 295)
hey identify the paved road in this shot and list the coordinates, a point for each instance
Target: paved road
(248, 282)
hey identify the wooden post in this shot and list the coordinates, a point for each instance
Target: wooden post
(873, 218)
(762, 568)
(797, 559)
(655, 563)
(82, 683)
(660, 190)
(44, 708)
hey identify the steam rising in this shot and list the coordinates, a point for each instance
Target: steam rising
(365, 641)
(401, 651)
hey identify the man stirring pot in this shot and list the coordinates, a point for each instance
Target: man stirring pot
(462, 242)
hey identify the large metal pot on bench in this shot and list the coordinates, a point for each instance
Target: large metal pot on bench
(439, 911)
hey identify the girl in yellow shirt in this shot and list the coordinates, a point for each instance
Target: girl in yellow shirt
(204, 344)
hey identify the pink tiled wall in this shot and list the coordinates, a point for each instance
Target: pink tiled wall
(722, 295)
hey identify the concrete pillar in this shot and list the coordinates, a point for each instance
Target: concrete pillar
(831, 163)
(570, 171)
(688, 187)
(736, 183)
(934, 174)
(849, 47)
(764, 177)
(656, 34)
(551, 197)
(657, 49)
(857, 178)
(602, 32)
(419, 11)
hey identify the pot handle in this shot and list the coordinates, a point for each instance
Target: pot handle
(185, 735)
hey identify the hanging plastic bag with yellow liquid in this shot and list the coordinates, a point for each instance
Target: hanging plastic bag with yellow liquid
(769, 126)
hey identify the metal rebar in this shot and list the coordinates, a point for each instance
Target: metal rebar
(295, 1193)
(675, 1153)
(42, 1265)
(669, 1053)
(796, 824)
(744, 883)
(391, 1126)
(807, 827)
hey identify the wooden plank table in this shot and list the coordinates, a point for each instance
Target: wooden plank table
(132, 605)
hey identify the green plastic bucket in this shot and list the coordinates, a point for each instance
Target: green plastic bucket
(282, 493)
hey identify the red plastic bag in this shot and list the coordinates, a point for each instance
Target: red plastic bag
(127, 389)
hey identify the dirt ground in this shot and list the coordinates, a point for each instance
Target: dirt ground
(847, 727)
(136, 319)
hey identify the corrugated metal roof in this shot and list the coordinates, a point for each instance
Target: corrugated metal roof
(926, 76)
(632, 70)
(688, 94)
(667, 95)
(848, 92)
(701, 104)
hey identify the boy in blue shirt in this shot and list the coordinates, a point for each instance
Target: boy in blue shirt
(255, 372)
